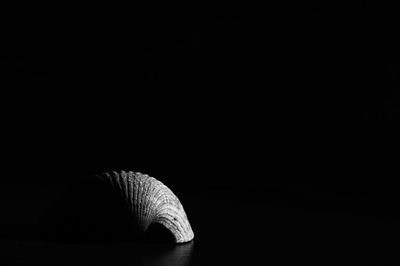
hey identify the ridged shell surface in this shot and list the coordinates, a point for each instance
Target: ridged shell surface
(150, 201)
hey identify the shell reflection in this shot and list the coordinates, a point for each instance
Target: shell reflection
(179, 255)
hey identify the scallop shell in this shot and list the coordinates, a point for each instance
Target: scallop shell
(150, 201)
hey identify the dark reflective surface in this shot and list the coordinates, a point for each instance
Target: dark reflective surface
(179, 255)
(45, 253)
(278, 230)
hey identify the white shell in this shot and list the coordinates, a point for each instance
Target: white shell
(150, 202)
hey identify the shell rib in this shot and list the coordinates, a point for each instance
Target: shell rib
(150, 201)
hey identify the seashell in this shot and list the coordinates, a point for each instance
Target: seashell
(150, 201)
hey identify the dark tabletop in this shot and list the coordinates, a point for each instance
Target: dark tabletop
(276, 227)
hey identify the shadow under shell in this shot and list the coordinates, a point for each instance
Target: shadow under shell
(92, 211)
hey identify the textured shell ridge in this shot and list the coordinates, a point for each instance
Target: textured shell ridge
(150, 201)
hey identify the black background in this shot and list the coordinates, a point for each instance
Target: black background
(297, 101)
